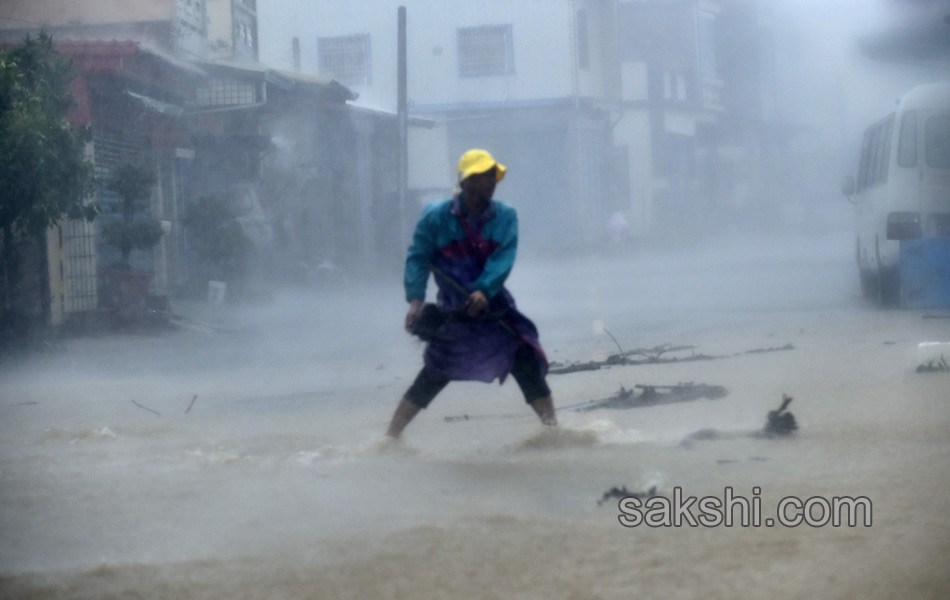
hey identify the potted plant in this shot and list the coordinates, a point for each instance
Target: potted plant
(132, 183)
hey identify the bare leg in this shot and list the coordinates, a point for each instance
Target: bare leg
(405, 412)
(544, 407)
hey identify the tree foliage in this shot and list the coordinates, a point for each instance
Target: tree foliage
(43, 170)
(133, 184)
(220, 244)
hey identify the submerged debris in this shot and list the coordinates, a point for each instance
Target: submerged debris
(779, 422)
(622, 492)
(650, 356)
(652, 395)
(934, 366)
(558, 369)
(788, 346)
(143, 407)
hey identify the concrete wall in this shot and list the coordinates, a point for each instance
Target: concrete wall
(542, 38)
(83, 12)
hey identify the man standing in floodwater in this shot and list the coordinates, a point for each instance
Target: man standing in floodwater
(469, 242)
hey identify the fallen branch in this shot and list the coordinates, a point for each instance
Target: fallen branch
(457, 418)
(622, 492)
(154, 412)
(192, 404)
(653, 395)
(934, 366)
(651, 356)
(573, 368)
(773, 349)
(779, 422)
(615, 340)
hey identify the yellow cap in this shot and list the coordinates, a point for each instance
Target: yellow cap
(479, 161)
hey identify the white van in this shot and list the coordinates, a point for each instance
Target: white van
(903, 186)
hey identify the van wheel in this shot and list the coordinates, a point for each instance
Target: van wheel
(890, 287)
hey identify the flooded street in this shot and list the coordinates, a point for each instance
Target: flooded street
(276, 482)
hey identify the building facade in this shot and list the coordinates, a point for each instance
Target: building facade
(534, 81)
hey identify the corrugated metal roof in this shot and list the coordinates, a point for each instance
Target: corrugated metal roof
(285, 79)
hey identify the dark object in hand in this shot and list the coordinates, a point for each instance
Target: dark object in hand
(780, 422)
(427, 324)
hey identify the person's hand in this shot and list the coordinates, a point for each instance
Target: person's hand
(415, 309)
(476, 303)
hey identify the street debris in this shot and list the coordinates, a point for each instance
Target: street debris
(934, 366)
(653, 395)
(775, 349)
(622, 492)
(158, 414)
(154, 412)
(651, 356)
(780, 422)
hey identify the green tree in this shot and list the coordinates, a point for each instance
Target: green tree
(133, 184)
(220, 245)
(44, 174)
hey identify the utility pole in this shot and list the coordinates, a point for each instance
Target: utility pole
(402, 111)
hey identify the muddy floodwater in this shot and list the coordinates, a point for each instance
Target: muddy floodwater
(275, 482)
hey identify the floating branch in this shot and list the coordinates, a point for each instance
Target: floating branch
(622, 492)
(775, 349)
(779, 422)
(934, 366)
(457, 418)
(614, 339)
(653, 395)
(154, 412)
(573, 368)
(651, 356)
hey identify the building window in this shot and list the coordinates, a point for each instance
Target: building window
(225, 92)
(345, 59)
(485, 51)
(674, 86)
(706, 44)
(583, 41)
(245, 34)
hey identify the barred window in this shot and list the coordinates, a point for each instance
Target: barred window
(485, 51)
(346, 59)
(226, 92)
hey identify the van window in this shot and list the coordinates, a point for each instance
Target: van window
(937, 137)
(865, 159)
(907, 146)
(869, 160)
(884, 151)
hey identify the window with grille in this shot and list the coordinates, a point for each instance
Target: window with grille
(485, 51)
(225, 92)
(346, 59)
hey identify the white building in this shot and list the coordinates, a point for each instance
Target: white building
(651, 108)
(533, 81)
